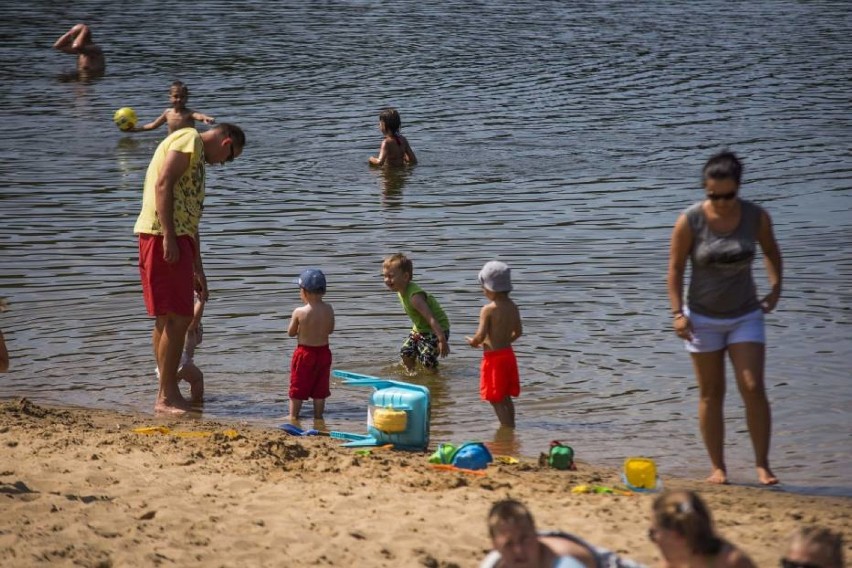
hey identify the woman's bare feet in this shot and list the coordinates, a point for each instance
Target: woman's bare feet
(718, 477)
(766, 477)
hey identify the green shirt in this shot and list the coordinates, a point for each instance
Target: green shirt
(421, 324)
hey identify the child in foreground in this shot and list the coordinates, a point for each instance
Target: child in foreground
(311, 364)
(188, 371)
(499, 325)
(78, 41)
(178, 116)
(430, 333)
(395, 149)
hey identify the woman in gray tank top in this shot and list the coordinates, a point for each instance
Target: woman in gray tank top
(722, 312)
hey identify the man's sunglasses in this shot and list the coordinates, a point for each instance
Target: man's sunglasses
(725, 196)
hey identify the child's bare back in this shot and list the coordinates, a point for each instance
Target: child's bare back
(313, 323)
(501, 322)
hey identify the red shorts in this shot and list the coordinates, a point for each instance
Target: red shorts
(309, 372)
(499, 375)
(167, 288)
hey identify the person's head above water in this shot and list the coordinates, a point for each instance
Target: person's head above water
(178, 94)
(390, 120)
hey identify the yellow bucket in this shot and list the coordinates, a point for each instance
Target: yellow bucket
(389, 420)
(640, 473)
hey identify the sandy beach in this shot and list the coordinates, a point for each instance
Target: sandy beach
(80, 487)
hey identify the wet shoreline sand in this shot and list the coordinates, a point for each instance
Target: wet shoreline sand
(80, 487)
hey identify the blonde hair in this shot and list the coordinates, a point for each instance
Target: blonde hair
(400, 261)
(685, 513)
(826, 543)
(508, 511)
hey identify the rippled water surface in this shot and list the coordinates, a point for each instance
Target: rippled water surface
(563, 138)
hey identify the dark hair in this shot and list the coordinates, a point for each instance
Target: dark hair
(390, 117)
(686, 514)
(232, 131)
(181, 86)
(508, 511)
(827, 543)
(400, 261)
(724, 165)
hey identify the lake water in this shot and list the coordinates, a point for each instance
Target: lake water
(562, 138)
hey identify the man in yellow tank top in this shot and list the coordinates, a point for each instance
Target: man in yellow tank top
(169, 245)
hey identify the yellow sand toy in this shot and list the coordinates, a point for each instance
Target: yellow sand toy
(150, 430)
(640, 474)
(389, 420)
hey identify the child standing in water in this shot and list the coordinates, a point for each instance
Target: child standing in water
(431, 331)
(311, 363)
(499, 326)
(395, 150)
(178, 116)
(188, 371)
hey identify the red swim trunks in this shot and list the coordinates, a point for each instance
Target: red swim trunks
(499, 375)
(167, 288)
(309, 372)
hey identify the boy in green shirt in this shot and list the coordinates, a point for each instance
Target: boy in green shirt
(431, 328)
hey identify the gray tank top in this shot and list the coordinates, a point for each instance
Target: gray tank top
(721, 284)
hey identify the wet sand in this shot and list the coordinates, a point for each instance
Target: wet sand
(80, 487)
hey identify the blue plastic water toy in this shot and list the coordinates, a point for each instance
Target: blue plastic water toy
(399, 412)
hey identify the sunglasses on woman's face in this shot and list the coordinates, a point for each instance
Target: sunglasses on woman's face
(791, 564)
(725, 196)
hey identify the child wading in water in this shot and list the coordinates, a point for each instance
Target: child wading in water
(187, 369)
(311, 363)
(431, 331)
(178, 116)
(499, 326)
(395, 150)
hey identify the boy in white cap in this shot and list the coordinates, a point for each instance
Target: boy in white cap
(311, 363)
(499, 326)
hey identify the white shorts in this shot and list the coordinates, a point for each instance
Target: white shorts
(714, 334)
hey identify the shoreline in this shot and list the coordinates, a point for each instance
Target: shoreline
(79, 486)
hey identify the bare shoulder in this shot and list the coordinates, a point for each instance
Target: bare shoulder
(733, 557)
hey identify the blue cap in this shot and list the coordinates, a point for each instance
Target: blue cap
(312, 280)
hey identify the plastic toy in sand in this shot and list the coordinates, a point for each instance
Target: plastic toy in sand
(470, 456)
(640, 474)
(397, 413)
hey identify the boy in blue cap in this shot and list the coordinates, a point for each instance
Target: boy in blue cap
(311, 364)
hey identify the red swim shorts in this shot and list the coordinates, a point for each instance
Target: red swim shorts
(309, 372)
(167, 288)
(499, 375)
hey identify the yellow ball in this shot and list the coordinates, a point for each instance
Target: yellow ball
(125, 118)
